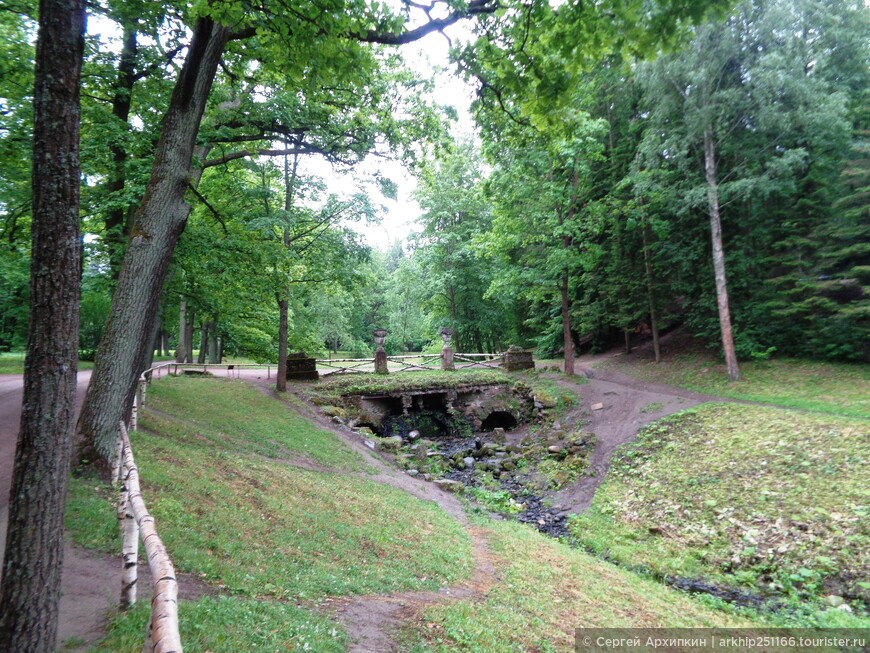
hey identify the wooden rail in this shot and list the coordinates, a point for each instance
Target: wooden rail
(162, 635)
(406, 363)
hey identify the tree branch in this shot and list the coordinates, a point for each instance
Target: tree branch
(474, 8)
(208, 205)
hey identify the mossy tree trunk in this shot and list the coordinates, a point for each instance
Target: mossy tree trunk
(34, 544)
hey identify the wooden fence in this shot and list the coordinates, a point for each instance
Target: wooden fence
(162, 634)
(408, 363)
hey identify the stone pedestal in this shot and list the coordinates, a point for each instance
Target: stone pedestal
(301, 367)
(380, 353)
(446, 352)
(516, 358)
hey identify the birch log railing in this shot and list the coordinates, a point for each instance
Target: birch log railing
(162, 635)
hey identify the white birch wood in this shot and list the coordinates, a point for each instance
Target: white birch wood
(118, 463)
(163, 628)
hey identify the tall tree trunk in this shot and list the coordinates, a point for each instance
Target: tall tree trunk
(181, 349)
(213, 344)
(188, 335)
(719, 256)
(203, 342)
(568, 340)
(451, 293)
(290, 173)
(281, 380)
(220, 350)
(627, 335)
(650, 291)
(160, 219)
(34, 543)
(567, 243)
(117, 229)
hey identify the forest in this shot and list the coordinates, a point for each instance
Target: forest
(635, 167)
(581, 207)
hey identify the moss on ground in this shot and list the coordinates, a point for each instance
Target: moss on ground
(771, 500)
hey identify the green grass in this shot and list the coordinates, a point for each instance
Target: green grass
(837, 388)
(336, 385)
(545, 590)
(224, 625)
(12, 362)
(771, 500)
(261, 530)
(234, 416)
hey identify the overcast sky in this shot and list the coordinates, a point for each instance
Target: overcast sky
(425, 56)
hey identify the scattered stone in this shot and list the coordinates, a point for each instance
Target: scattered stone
(370, 444)
(598, 406)
(338, 420)
(391, 444)
(422, 452)
(554, 449)
(835, 601)
(469, 462)
(365, 432)
(448, 485)
(427, 477)
(334, 411)
(413, 435)
(498, 435)
(413, 472)
(545, 400)
(508, 465)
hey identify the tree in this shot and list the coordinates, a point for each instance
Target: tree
(34, 545)
(749, 124)
(335, 47)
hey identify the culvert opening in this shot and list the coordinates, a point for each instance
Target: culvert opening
(499, 419)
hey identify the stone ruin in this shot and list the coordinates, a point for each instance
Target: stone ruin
(301, 367)
(517, 358)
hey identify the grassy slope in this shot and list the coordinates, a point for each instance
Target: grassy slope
(837, 388)
(266, 530)
(766, 498)
(547, 590)
(260, 528)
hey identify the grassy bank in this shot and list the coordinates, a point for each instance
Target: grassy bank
(773, 501)
(837, 388)
(218, 463)
(544, 592)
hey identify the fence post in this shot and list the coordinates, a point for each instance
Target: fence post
(130, 529)
(134, 415)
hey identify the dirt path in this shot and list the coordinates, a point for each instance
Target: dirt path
(372, 620)
(91, 582)
(614, 407)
